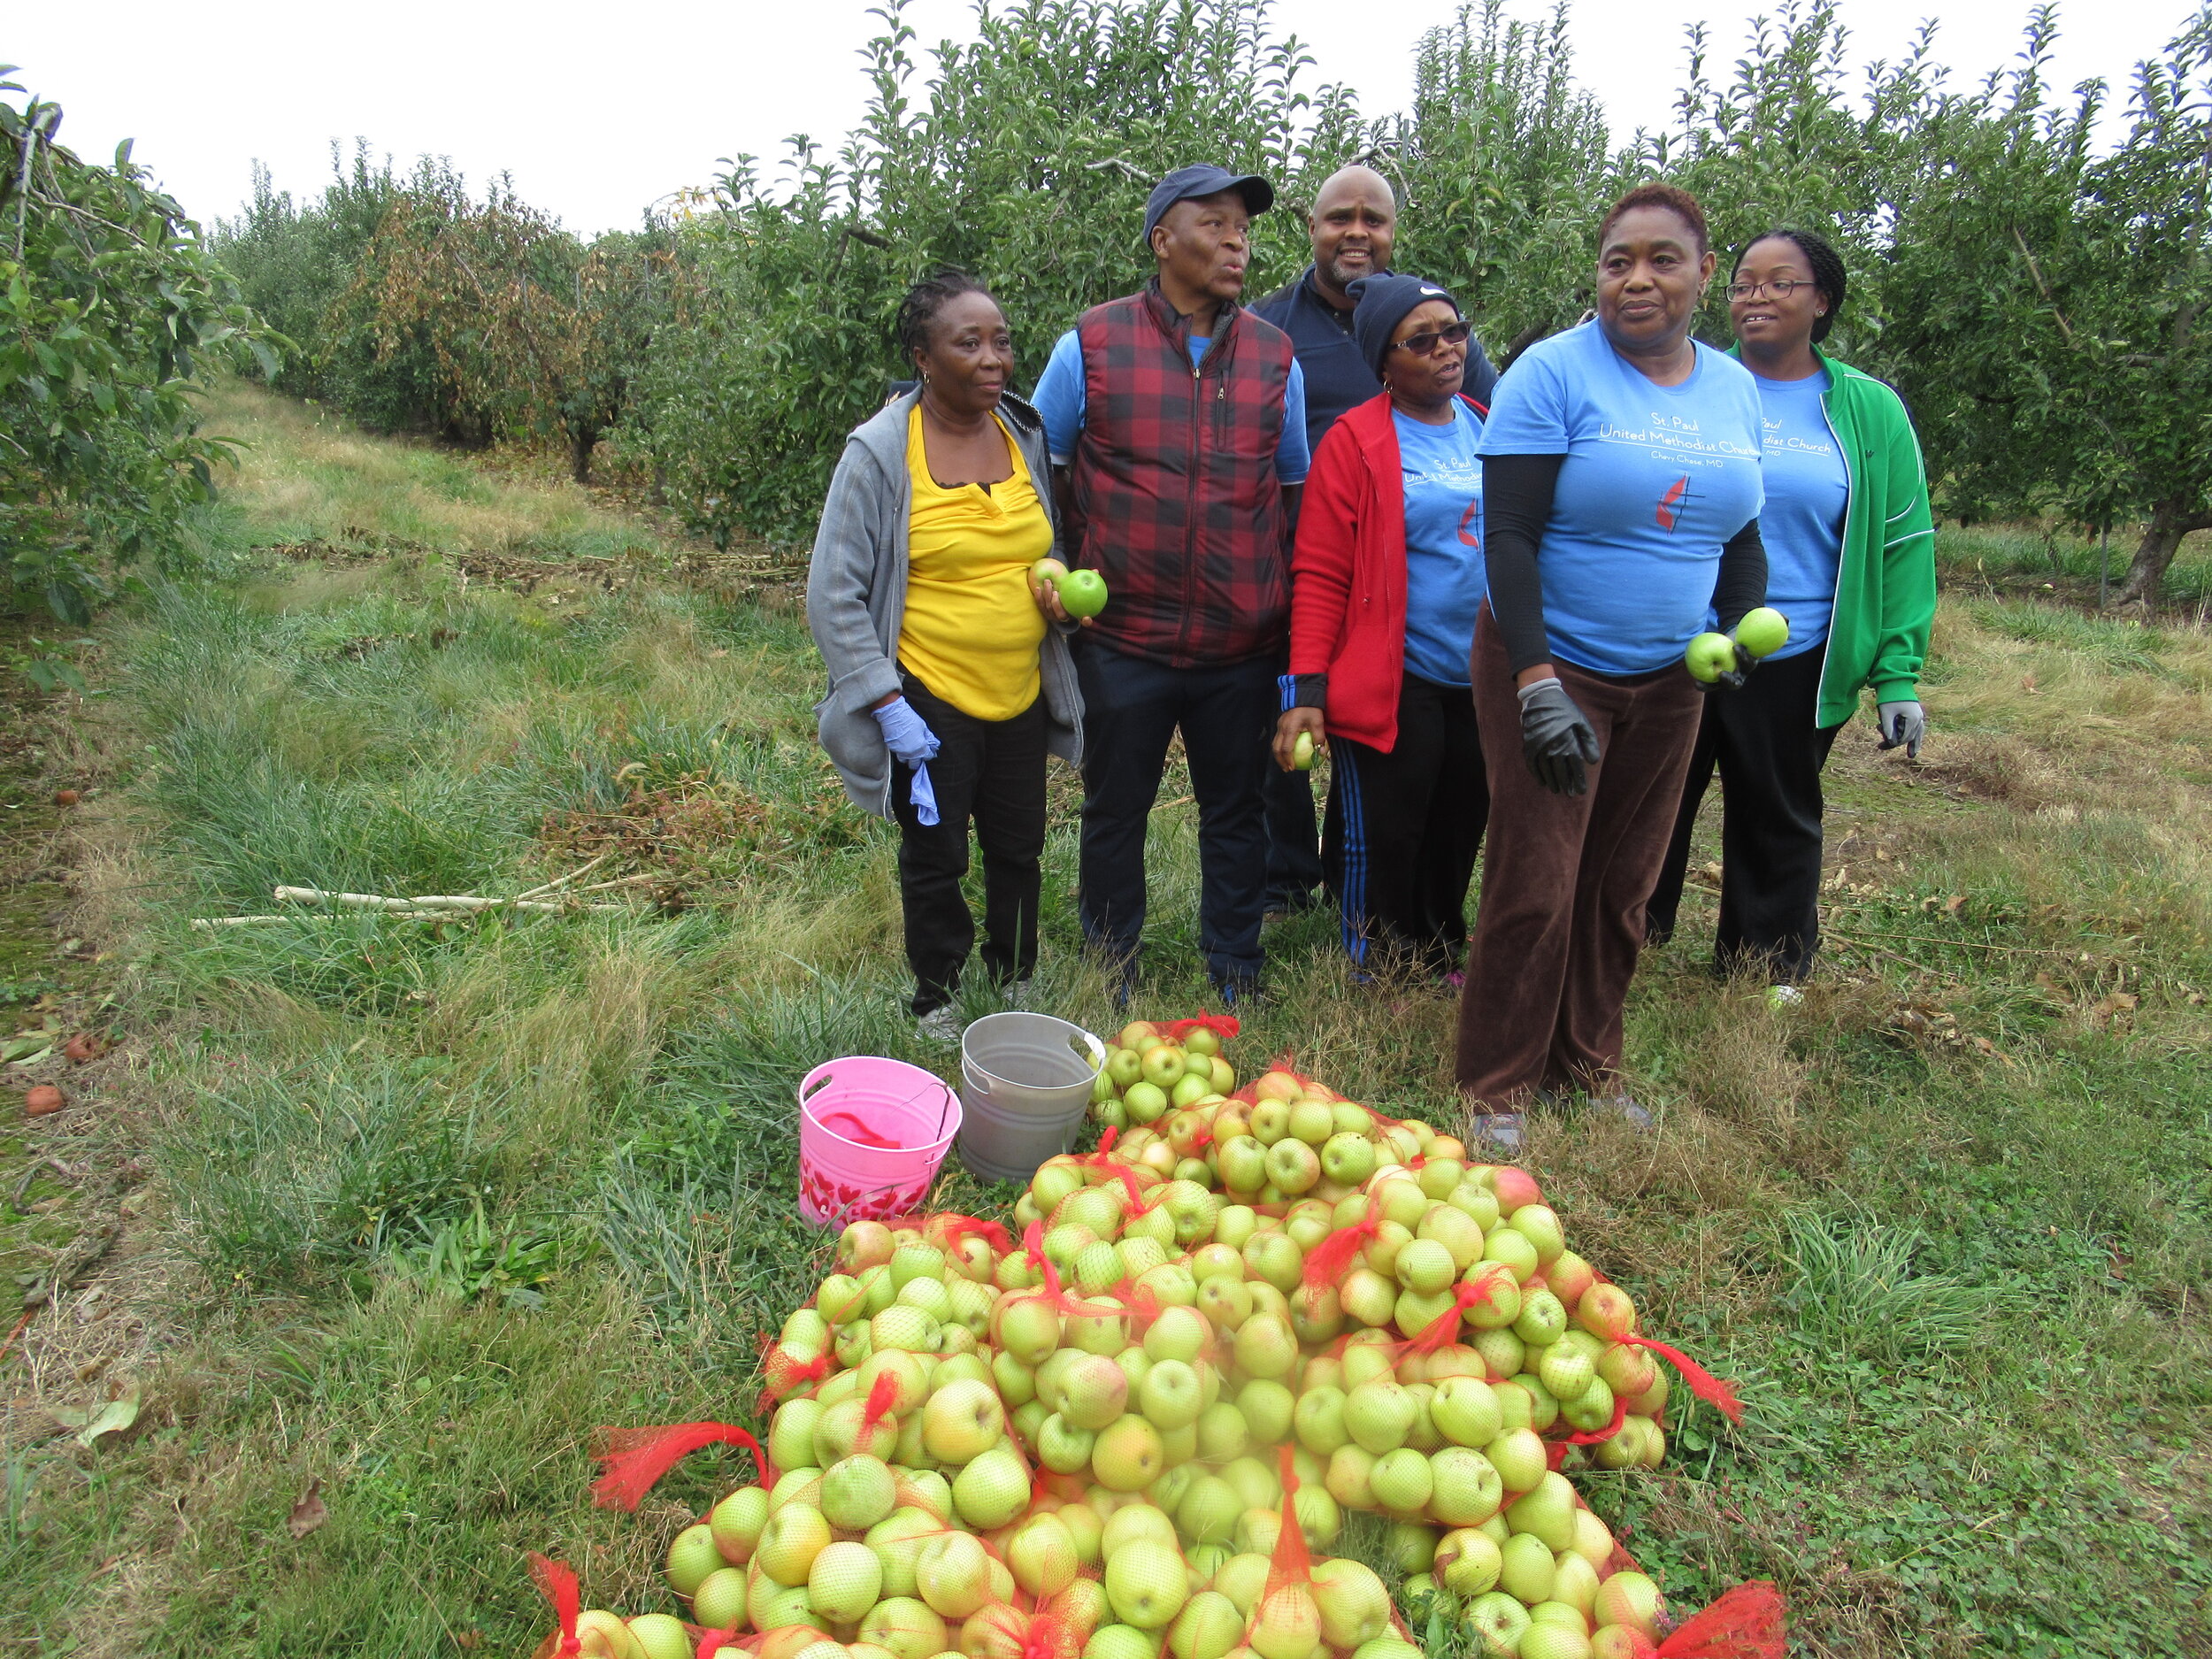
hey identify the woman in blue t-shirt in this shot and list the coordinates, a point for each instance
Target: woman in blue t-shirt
(1851, 563)
(1621, 496)
(1386, 582)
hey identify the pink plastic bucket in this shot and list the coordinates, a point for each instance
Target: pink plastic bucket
(871, 1134)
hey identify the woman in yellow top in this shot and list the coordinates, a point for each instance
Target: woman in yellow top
(950, 679)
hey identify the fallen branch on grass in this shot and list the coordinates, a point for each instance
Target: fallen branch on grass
(463, 902)
(207, 923)
(434, 907)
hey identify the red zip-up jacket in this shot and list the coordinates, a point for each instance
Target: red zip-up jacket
(1348, 592)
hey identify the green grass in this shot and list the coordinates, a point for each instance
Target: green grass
(2059, 564)
(427, 1205)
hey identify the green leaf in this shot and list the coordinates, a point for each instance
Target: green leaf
(50, 673)
(67, 600)
(112, 1418)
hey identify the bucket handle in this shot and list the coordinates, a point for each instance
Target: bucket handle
(866, 1136)
(1082, 1044)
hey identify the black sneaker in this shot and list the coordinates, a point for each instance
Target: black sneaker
(1240, 996)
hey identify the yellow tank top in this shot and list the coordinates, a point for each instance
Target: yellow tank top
(971, 633)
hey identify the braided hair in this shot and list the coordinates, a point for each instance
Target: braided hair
(1821, 258)
(919, 309)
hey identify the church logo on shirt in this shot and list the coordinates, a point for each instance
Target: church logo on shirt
(1672, 503)
(1469, 534)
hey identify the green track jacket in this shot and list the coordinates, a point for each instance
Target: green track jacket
(1886, 582)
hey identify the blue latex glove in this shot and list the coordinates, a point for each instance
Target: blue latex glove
(910, 739)
(905, 732)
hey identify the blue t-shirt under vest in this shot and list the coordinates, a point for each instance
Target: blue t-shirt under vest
(1061, 400)
(1656, 479)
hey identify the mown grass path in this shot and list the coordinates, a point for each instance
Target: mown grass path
(424, 1204)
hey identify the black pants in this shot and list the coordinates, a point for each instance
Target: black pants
(1402, 829)
(1131, 709)
(1771, 754)
(1293, 853)
(991, 772)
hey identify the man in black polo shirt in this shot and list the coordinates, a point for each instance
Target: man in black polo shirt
(1354, 220)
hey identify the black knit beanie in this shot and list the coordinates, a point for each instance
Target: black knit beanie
(1380, 304)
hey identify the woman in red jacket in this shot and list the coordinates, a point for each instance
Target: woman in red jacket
(1387, 578)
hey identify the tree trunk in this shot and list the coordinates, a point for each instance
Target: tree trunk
(2161, 539)
(582, 438)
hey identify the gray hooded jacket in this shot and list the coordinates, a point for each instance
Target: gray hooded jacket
(855, 597)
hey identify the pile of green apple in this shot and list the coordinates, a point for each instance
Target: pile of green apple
(1072, 1447)
(1148, 1074)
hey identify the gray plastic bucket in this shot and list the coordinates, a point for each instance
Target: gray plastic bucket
(1026, 1082)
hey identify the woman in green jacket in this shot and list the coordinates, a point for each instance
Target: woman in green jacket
(1851, 563)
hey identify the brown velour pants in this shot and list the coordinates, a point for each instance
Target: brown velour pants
(1564, 878)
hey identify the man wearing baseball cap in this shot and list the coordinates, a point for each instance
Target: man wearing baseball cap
(1176, 423)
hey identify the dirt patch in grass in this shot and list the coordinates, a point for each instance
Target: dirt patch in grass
(95, 1285)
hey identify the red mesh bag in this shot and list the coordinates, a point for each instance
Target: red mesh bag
(1294, 1610)
(1745, 1622)
(1223, 1025)
(1136, 1181)
(1330, 1260)
(785, 1372)
(1702, 1382)
(1069, 1302)
(631, 1461)
(557, 1583)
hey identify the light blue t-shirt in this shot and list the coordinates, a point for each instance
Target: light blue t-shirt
(1060, 399)
(1441, 469)
(1802, 523)
(1656, 479)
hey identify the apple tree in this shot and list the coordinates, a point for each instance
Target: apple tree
(1503, 164)
(1026, 159)
(110, 307)
(528, 329)
(2047, 302)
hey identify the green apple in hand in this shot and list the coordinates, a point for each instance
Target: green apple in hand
(1763, 631)
(1082, 593)
(1302, 752)
(1709, 656)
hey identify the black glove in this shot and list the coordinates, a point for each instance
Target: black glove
(1732, 678)
(1556, 738)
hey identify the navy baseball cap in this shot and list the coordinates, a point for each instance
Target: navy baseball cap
(1205, 179)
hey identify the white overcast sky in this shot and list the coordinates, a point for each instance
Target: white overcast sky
(596, 109)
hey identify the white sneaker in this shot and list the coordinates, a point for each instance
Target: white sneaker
(939, 1025)
(1784, 996)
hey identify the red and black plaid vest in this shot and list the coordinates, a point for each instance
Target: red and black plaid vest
(1174, 482)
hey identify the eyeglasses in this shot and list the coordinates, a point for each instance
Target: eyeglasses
(1781, 287)
(1424, 344)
